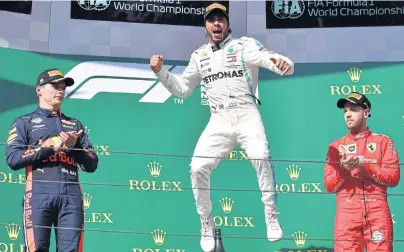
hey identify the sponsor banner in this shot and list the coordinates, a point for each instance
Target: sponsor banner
(74, 28)
(292, 28)
(171, 12)
(24, 7)
(134, 33)
(319, 14)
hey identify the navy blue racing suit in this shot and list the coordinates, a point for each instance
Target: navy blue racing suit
(48, 199)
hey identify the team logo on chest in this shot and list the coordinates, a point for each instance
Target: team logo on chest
(371, 147)
(231, 59)
(347, 149)
(231, 55)
(37, 120)
(230, 50)
(225, 75)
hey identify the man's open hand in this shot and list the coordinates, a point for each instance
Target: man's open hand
(70, 138)
(156, 62)
(281, 65)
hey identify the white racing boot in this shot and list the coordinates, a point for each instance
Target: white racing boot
(207, 236)
(274, 230)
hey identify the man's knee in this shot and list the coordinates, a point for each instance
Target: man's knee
(203, 166)
(381, 235)
(258, 152)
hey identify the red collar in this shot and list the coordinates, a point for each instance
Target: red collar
(360, 135)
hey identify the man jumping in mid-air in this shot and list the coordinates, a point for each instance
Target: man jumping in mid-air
(229, 69)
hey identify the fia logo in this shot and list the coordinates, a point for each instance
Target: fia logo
(98, 5)
(288, 9)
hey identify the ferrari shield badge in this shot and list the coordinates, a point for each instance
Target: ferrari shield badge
(371, 147)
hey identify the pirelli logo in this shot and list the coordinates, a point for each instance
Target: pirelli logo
(216, 6)
(54, 72)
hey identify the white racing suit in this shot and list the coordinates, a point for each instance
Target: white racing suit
(229, 72)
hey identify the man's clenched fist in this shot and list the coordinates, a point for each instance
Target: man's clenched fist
(156, 62)
(281, 65)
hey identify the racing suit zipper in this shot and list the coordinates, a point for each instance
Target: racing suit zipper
(365, 215)
(59, 130)
(230, 94)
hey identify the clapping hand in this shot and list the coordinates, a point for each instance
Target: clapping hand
(70, 138)
(350, 163)
(54, 142)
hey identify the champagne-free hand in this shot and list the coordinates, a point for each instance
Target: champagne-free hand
(281, 64)
(156, 62)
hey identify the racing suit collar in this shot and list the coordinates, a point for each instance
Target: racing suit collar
(221, 44)
(360, 135)
(48, 112)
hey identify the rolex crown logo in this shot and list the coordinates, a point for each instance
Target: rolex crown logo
(227, 204)
(155, 169)
(354, 74)
(293, 171)
(158, 236)
(87, 200)
(13, 230)
(300, 238)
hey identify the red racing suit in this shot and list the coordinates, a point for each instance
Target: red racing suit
(363, 216)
